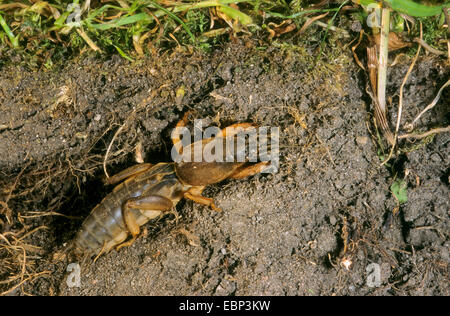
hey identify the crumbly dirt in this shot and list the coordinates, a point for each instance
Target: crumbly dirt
(287, 233)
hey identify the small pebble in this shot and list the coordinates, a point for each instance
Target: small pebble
(361, 140)
(333, 220)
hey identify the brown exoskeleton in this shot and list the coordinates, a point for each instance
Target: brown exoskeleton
(149, 191)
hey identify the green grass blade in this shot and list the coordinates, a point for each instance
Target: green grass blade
(174, 17)
(93, 14)
(295, 15)
(122, 53)
(123, 21)
(14, 39)
(243, 18)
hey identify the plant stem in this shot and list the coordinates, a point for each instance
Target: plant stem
(383, 58)
(14, 40)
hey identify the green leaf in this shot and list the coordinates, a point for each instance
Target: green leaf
(122, 53)
(399, 189)
(243, 18)
(415, 9)
(410, 7)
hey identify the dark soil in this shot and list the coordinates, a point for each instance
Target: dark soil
(279, 234)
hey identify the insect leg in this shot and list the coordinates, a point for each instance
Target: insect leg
(249, 170)
(129, 172)
(195, 194)
(146, 204)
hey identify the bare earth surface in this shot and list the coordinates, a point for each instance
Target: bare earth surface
(279, 234)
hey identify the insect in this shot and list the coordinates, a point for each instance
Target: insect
(150, 191)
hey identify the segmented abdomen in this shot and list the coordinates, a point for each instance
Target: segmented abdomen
(105, 228)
